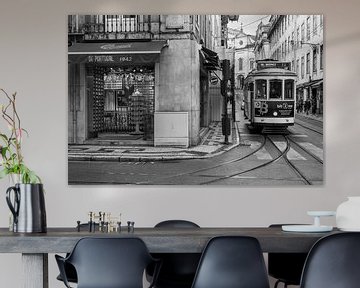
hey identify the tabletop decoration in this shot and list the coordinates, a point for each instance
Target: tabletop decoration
(348, 214)
(25, 197)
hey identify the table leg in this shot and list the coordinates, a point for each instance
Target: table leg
(35, 270)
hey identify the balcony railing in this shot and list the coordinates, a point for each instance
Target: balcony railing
(112, 24)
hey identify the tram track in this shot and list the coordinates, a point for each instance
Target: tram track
(211, 167)
(267, 138)
(309, 128)
(290, 164)
(306, 150)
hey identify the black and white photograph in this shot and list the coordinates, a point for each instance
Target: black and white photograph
(196, 100)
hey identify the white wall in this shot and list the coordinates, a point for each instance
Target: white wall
(33, 62)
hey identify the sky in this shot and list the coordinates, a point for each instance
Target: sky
(250, 22)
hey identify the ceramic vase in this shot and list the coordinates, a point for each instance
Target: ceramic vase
(27, 205)
(348, 214)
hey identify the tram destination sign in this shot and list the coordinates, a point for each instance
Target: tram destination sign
(274, 109)
(273, 64)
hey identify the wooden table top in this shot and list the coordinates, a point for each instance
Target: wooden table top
(158, 240)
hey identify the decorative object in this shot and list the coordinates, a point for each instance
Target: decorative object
(27, 203)
(316, 227)
(28, 208)
(348, 214)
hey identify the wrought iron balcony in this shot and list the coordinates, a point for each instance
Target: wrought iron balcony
(114, 27)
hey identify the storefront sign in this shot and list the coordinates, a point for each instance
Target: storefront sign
(122, 59)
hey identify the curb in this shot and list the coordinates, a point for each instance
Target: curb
(161, 156)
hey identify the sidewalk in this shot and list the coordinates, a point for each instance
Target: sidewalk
(310, 116)
(211, 145)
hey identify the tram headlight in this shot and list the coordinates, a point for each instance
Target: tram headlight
(275, 114)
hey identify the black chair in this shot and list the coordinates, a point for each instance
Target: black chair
(333, 262)
(286, 267)
(178, 269)
(69, 269)
(232, 262)
(108, 263)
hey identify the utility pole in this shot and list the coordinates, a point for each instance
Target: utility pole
(225, 92)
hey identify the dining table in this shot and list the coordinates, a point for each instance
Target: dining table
(35, 247)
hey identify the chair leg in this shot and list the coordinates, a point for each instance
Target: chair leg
(279, 281)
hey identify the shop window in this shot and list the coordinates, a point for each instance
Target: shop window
(275, 89)
(289, 89)
(261, 89)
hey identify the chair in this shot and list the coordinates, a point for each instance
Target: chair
(178, 269)
(286, 267)
(333, 262)
(69, 269)
(108, 263)
(232, 262)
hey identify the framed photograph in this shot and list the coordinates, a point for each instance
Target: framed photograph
(195, 100)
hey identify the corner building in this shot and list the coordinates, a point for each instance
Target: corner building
(141, 76)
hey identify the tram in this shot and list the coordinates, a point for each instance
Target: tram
(269, 96)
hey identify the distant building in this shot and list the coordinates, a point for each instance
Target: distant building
(242, 45)
(262, 45)
(299, 40)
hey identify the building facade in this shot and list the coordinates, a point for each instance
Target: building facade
(299, 39)
(144, 76)
(262, 45)
(242, 45)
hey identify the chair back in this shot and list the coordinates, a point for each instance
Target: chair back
(333, 262)
(232, 262)
(176, 224)
(110, 262)
(286, 267)
(178, 269)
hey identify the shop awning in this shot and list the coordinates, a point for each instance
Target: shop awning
(312, 83)
(317, 83)
(121, 53)
(210, 59)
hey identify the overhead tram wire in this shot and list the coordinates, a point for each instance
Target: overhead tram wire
(255, 21)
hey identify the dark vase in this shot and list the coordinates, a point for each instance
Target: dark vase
(27, 204)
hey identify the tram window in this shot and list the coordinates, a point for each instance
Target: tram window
(251, 89)
(289, 89)
(261, 90)
(275, 89)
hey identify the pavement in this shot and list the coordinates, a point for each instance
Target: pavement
(310, 116)
(211, 144)
(112, 149)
